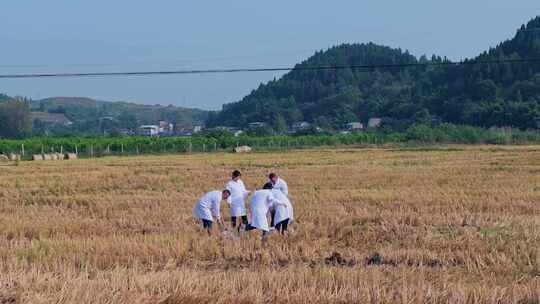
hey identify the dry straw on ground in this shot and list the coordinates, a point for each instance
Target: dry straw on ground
(450, 225)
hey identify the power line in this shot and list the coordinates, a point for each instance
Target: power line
(277, 69)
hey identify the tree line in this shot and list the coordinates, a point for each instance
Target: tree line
(15, 117)
(223, 141)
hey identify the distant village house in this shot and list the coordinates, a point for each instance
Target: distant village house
(149, 130)
(301, 125)
(256, 124)
(165, 126)
(374, 123)
(354, 126)
(235, 131)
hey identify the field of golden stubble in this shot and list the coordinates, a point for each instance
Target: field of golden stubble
(444, 225)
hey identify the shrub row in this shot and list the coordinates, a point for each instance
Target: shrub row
(97, 146)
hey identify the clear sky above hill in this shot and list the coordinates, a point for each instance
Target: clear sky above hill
(108, 36)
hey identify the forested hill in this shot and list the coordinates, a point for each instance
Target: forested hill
(483, 94)
(85, 116)
(80, 108)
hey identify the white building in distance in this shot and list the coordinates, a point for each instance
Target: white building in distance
(374, 123)
(354, 126)
(149, 130)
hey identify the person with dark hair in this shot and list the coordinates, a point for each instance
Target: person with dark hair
(209, 206)
(279, 183)
(259, 206)
(238, 194)
(268, 186)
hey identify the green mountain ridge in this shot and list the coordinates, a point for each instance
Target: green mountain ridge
(480, 94)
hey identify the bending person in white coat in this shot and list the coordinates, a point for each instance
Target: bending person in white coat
(209, 207)
(278, 184)
(236, 200)
(283, 212)
(261, 203)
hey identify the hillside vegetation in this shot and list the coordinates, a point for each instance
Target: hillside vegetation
(62, 116)
(481, 95)
(86, 114)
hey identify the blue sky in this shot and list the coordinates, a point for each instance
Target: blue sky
(136, 35)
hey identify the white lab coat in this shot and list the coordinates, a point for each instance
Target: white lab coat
(236, 200)
(281, 185)
(260, 204)
(284, 209)
(208, 206)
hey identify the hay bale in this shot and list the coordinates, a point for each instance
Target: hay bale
(71, 156)
(37, 157)
(14, 157)
(47, 157)
(242, 149)
(59, 156)
(4, 158)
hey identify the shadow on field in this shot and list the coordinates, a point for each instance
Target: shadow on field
(376, 259)
(183, 299)
(8, 298)
(335, 259)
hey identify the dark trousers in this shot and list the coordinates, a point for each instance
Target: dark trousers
(282, 226)
(206, 224)
(244, 220)
(249, 228)
(272, 215)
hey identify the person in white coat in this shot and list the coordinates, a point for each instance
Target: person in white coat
(261, 203)
(208, 207)
(236, 200)
(278, 184)
(283, 212)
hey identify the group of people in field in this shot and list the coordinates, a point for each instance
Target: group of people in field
(272, 200)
